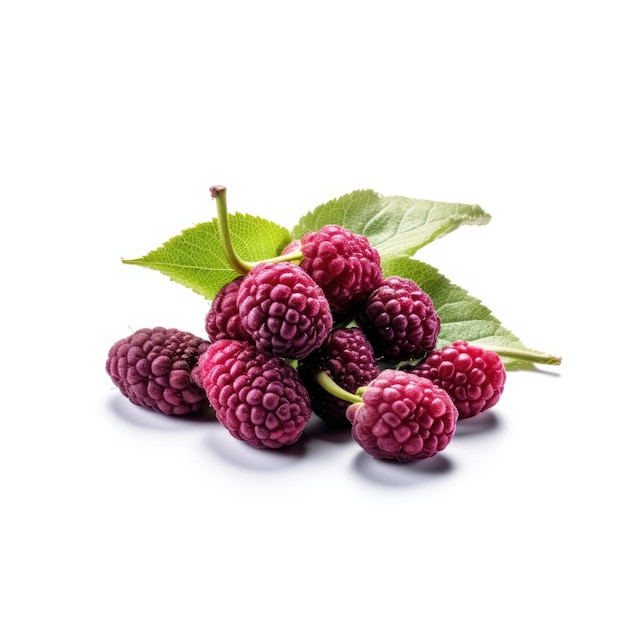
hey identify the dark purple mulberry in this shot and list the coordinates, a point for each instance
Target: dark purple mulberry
(153, 367)
(403, 417)
(222, 320)
(400, 320)
(473, 377)
(284, 310)
(260, 399)
(344, 264)
(349, 359)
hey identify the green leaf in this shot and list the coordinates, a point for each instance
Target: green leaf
(394, 225)
(464, 317)
(195, 257)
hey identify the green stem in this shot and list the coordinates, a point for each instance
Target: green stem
(519, 354)
(328, 384)
(218, 192)
(295, 256)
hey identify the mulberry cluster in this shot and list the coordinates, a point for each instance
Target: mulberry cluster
(321, 332)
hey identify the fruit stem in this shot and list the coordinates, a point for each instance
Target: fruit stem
(218, 193)
(295, 257)
(328, 384)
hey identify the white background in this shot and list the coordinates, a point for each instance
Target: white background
(117, 117)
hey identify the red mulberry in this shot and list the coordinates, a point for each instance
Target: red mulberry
(222, 321)
(473, 377)
(153, 367)
(400, 320)
(344, 264)
(284, 310)
(260, 399)
(403, 417)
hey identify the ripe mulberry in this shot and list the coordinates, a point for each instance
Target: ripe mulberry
(222, 320)
(284, 310)
(473, 377)
(344, 264)
(403, 417)
(258, 398)
(153, 368)
(400, 320)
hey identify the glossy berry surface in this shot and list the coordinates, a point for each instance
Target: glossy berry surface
(152, 367)
(259, 399)
(344, 264)
(474, 377)
(349, 359)
(400, 320)
(284, 310)
(403, 417)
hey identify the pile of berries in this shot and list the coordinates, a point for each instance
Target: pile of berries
(326, 334)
